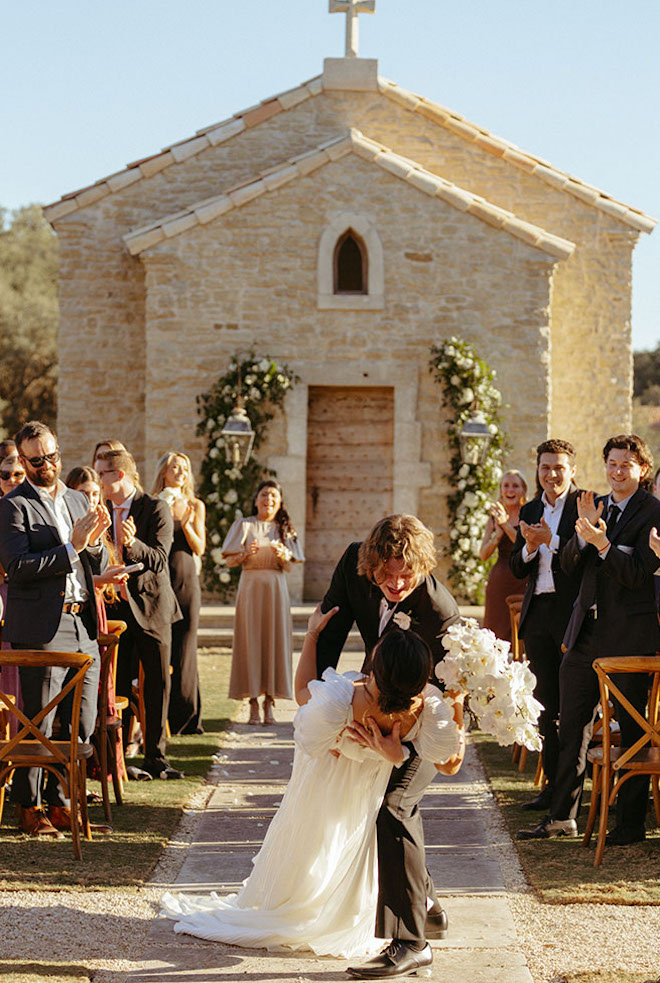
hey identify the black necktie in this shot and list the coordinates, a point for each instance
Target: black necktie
(612, 519)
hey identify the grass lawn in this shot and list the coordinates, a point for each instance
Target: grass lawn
(141, 827)
(561, 870)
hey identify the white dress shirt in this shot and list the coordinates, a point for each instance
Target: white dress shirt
(76, 589)
(545, 581)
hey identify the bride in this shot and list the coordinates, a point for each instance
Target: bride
(314, 883)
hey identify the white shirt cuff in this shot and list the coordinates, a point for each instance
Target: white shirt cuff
(526, 555)
(553, 545)
(71, 553)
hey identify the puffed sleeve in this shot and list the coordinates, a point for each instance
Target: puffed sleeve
(292, 543)
(437, 738)
(235, 538)
(318, 722)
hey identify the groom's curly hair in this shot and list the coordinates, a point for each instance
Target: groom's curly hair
(397, 537)
(401, 664)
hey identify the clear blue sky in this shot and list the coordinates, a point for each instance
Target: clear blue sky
(86, 87)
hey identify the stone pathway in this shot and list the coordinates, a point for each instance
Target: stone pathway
(461, 827)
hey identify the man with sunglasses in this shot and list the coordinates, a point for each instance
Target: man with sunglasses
(50, 548)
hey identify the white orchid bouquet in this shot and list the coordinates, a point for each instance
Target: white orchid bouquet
(500, 690)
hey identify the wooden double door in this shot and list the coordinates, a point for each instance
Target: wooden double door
(350, 438)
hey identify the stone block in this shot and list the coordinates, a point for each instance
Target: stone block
(350, 74)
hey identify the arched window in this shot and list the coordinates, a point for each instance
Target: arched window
(350, 273)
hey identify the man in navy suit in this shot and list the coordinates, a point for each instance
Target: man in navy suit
(546, 525)
(50, 548)
(387, 577)
(614, 615)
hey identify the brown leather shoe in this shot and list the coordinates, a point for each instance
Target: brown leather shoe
(60, 817)
(34, 821)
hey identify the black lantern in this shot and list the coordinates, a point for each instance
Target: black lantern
(474, 438)
(238, 435)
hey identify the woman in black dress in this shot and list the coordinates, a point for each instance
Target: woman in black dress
(174, 485)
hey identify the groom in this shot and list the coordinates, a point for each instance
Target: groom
(383, 581)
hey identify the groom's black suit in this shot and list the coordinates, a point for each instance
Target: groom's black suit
(404, 882)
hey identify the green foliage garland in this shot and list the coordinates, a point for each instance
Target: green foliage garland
(227, 491)
(467, 382)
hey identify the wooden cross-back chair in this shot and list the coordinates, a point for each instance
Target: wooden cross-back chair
(29, 748)
(613, 766)
(107, 734)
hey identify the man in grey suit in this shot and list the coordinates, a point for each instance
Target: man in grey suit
(50, 548)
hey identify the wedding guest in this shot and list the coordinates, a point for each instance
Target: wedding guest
(500, 534)
(614, 615)
(12, 474)
(174, 484)
(142, 532)
(323, 895)
(379, 583)
(50, 546)
(546, 525)
(656, 484)
(264, 544)
(106, 584)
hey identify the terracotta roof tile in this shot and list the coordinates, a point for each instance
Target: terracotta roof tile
(356, 143)
(219, 132)
(499, 147)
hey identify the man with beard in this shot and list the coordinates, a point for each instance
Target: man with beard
(50, 548)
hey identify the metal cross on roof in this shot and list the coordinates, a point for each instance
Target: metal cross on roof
(352, 8)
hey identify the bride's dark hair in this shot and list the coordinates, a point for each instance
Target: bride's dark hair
(401, 663)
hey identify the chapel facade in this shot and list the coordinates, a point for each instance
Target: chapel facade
(343, 227)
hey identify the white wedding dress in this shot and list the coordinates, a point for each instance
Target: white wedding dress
(314, 883)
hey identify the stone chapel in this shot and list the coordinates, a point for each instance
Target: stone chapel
(343, 227)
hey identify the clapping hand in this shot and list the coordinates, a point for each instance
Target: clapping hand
(654, 541)
(370, 735)
(499, 514)
(586, 508)
(535, 534)
(83, 529)
(594, 533)
(281, 552)
(128, 532)
(103, 522)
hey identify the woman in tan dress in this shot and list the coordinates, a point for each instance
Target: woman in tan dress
(264, 544)
(500, 535)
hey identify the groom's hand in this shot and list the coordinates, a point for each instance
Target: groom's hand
(370, 735)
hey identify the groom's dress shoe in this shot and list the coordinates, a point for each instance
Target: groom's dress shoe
(549, 827)
(396, 959)
(437, 924)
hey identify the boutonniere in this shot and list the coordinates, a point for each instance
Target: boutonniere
(403, 620)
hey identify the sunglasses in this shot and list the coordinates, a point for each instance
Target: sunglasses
(7, 475)
(38, 462)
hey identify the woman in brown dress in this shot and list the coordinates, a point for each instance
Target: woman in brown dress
(264, 544)
(500, 535)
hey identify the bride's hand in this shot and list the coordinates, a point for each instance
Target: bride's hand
(318, 620)
(371, 736)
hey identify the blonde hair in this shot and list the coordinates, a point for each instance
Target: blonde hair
(110, 444)
(518, 474)
(161, 468)
(397, 537)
